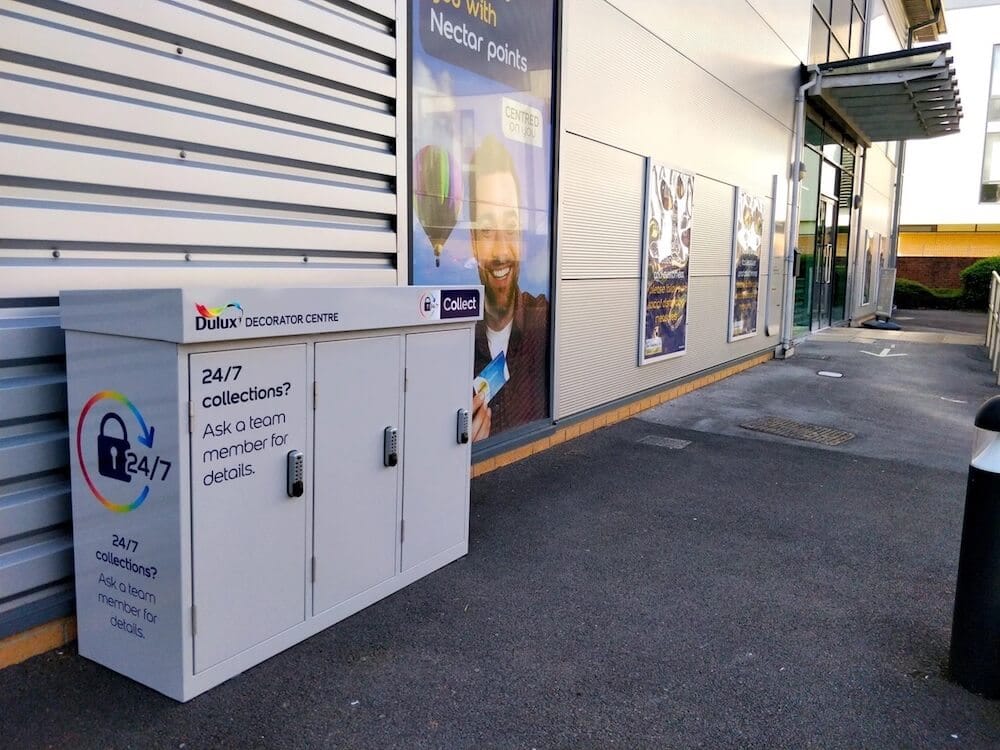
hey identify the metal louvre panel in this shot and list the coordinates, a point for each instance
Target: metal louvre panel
(36, 558)
(598, 337)
(169, 144)
(190, 129)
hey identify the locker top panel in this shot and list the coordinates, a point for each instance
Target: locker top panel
(194, 315)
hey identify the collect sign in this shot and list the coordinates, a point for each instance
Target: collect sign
(482, 173)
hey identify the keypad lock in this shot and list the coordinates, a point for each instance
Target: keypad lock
(296, 474)
(463, 426)
(391, 447)
(111, 450)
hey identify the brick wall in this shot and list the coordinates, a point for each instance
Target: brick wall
(938, 273)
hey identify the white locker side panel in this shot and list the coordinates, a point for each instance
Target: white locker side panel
(126, 465)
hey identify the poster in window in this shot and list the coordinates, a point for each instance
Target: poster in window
(748, 239)
(481, 191)
(666, 249)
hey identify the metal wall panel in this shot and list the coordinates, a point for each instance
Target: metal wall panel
(790, 21)
(623, 85)
(598, 338)
(36, 559)
(597, 315)
(628, 94)
(149, 134)
(600, 231)
(733, 42)
(163, 144)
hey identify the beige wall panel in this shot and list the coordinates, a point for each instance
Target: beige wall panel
(790, 21)
(876, 212)
(716, 35)
(600, 231)
(880, 173)
(624, 86)
(598, 341)
(712, 228)
(600, 235)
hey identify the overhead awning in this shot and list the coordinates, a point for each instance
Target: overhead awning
(896, 96)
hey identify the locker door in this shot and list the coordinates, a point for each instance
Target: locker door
(356, 513)
(248, 535)
(436, 465)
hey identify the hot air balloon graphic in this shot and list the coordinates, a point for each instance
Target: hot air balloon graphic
(437, 191)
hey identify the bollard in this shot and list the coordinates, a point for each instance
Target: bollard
(975, 630)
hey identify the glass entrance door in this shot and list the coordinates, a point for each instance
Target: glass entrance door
(826, 237)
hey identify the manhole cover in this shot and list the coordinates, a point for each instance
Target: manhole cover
(813, 433)
(665, 442)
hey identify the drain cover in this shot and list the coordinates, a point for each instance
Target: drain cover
(813, 433)
(665, 442)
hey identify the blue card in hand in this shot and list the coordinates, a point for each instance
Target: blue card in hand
(492, 378)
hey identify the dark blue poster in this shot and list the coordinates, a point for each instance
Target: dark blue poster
(481, 101)
(666, 251)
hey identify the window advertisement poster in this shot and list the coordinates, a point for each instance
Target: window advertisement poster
(481, 103)
(666, 249)
(748, 238)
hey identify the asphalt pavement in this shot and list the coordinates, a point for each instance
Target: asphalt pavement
(672, 581)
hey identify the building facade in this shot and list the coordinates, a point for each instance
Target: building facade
(950, 212)
(650, 167)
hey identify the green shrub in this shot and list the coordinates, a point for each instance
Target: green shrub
(913, 294)
(976, 282)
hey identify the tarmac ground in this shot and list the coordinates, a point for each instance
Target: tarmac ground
(626, 589)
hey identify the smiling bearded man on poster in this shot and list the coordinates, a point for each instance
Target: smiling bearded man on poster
(514, 322)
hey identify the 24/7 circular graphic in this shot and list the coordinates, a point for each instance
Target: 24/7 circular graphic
(114, 460)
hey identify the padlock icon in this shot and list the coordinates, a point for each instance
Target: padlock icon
(112, 451)
(427, 303)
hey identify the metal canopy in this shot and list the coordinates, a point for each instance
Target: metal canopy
(897, 96)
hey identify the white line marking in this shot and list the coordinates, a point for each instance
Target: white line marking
(882, 354)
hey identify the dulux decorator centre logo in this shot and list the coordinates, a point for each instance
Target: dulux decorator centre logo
(214, 318)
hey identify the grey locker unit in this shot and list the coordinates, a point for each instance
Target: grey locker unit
(246, 475)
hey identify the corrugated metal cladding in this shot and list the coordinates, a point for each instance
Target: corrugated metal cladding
(643, 82)
(164, 143)
(36, 555)
(234, 132)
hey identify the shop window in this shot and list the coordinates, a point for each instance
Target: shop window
(837, 31)
(989, 191)
(840, 22)
(819, 39)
